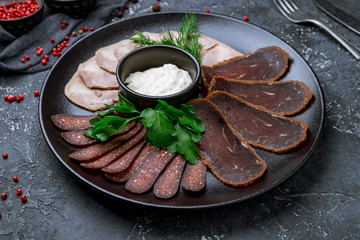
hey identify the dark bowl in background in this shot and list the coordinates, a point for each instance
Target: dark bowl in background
(147, 57)
(19, 26)
(73, 8)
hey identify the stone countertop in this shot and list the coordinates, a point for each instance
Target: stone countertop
(320, 201)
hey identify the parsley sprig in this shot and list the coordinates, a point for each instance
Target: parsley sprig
(175, 128)
(187, 39)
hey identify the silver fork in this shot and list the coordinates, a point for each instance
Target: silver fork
(296, 15)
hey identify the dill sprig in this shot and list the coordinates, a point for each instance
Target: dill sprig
(187, 39)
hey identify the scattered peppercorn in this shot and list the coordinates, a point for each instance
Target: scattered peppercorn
(23, 60)
(156, 7)
(43, 61)
(74, 34)
(63, 26)
(126, 6)
(92, 29)
(81, 31)
(21, 96)
(6, 98)
(46, 57)
(30, 64)
(36, 93)
(15, 179)
(5, 155)
(23, 198)
(27, 57)
(66, 38)
(65, 22)
(84, 28)
(119, 14)
(246, 18)
(207, 10)
(0, 214)
(52, 40)
(3, 195)
(18, 99)
(18, 192)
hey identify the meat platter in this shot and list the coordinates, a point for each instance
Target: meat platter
(240, 35)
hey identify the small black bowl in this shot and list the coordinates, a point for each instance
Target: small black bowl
(19, 26)
(73, 8)
(147, 57)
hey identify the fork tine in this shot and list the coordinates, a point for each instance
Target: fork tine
(282, 7)
(293, 5)
(288, 5)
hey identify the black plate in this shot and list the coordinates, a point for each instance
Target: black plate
(240, 35)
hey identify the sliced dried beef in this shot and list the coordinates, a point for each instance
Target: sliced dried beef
(267, 64)
(283, 97)
(70, 122)
(260, 127)
(168, 183)
(230, 158)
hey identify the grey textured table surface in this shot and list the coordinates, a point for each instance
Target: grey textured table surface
(320, 201)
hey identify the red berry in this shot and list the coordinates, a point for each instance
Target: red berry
(207, 10)
(5, 155)
(52, 39)
(246, 18)
(63, 26)
(36, 93)
(27, 57)
(3, 195)
(18, 192)
(21, 96)
(23, 60)
(15, 179)
(23, 198)
(43, 61)
(92, 29)
(67, 38)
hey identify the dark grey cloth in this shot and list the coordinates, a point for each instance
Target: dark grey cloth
(13, 49)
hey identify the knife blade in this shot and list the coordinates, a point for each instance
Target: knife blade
(339, 15)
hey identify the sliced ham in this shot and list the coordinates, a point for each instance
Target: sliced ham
(92, 99)
(230, 158)
(283, 97)
(260, 127)
(96, 77)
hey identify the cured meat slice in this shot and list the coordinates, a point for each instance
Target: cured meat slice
(145, 177)
(96, 77)
(230, 158)
(116, 153)
(194, 177)
(267, 64)
(168, 183)
(125, 160)
(99, 149)
(70, 122)
(92, 99)
(143, 156)
(79, 139)
(260, 127)
(284, 97)
(214, 52)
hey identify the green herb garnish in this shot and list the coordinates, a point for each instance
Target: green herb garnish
(176, 129)
(187, 39)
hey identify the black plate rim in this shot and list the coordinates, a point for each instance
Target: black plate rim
(119, 197)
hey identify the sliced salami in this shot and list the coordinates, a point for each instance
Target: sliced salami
(70, 122)
(194, 177)
(99, 149)
(143, 156)
(168, 183)
(145, 177)
(260, 127)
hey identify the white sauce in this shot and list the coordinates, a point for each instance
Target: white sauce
(161, 81)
